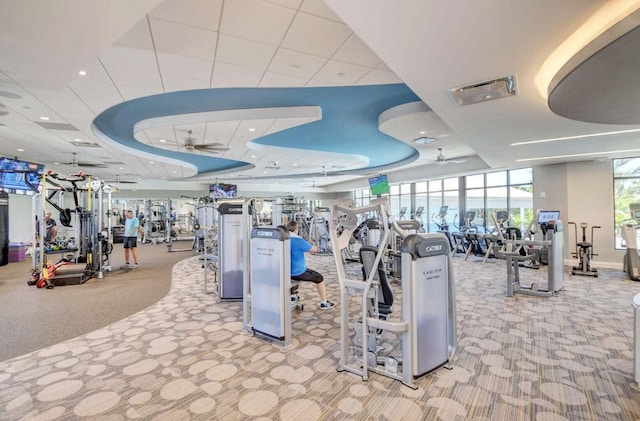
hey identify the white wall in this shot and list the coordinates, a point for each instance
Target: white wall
(582, 192)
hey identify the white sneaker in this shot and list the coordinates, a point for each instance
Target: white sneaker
(133, 266)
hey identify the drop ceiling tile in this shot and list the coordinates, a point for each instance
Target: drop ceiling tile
(221, 130)
(291, 4)
(226, 75)
(172, 84)
(319, 8)
(244, 52)
(339, 72)
(138, 36)
(204, 14)
(315, 35)
(276, 80)
(183, 40)
(256, 20)
(355, 51)
(182, 66)
(378, 77)
(293, 63)
(126, 58)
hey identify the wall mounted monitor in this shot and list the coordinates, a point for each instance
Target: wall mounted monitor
(221, 191)
(20, 175)
(546, 216)
(379, 185)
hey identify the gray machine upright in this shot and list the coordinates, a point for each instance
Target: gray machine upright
(554, 240)
(230, 264)
(269, 292)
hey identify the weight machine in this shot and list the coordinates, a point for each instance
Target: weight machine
(584, 251)
(87, 253)
(426, 331)
(513, 253)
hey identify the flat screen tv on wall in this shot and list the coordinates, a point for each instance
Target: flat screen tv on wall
(379, 185)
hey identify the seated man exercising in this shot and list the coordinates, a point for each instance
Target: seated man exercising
(299, 271)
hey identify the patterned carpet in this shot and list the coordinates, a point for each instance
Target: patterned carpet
(567, 357)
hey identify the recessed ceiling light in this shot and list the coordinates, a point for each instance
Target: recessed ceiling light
(163, 141)
(423, 132)
(295, 165)
(253, 156)
(122, 168)
(150, 162)
(139, 178)
(20, 150)
(45, 118)
(82, 73)
(56, 163)
(163, 177)
(174, 171)
(251, 129)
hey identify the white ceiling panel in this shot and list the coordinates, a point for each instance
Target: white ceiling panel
(183, 40)
(225, 75)
(276, 80)
(336, 72)
(173, 84)
(291, 4)
(138, 36)
(203, 14)
(315, 35)
(297, 64)
(183, 66)
(319, 8)
(244, 52)
(125, 58)
(355, 51)
(378, 77)
(256, 20)
(221, 130)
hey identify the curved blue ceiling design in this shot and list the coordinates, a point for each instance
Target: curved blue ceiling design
(349, 123)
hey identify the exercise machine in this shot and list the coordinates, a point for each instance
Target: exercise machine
(629, 231)
(512, 252)
(268, 298)
(584, 251)
(443, 225)
(84, 255)
(319, 231)
(425, 335)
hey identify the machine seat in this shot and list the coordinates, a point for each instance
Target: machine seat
(385, 292)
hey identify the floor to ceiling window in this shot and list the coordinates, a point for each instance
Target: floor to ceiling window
(626, 190)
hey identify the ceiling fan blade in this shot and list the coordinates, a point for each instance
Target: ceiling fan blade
(89, 164)
(121, 181)
(218, 147)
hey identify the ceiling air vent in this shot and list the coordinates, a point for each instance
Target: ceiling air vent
(57, 126)
(484, 91)
(85, 144)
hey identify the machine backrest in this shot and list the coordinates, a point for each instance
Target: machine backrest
(385, 292)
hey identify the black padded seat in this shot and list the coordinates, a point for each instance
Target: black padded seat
(385, 292)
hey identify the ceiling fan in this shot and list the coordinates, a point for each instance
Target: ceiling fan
(191, 145)
(442, 159)
(273, 165)
(75, 163)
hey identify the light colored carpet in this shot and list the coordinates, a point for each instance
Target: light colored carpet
(567, 357)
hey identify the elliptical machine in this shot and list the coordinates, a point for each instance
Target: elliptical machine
(584, 251)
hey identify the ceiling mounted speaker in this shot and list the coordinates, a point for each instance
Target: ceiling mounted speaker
(485, 91)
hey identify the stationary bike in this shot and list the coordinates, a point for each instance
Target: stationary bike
(584, 251)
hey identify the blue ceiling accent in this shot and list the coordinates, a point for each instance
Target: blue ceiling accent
(349, 123)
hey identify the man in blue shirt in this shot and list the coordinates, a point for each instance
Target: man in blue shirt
(131, 226)
(299, 271)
